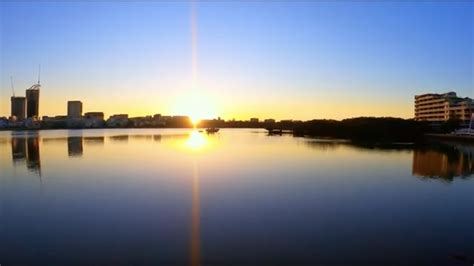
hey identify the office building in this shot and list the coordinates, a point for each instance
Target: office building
(18, 107)
(32, 101)
(437, 108)
(74, 109)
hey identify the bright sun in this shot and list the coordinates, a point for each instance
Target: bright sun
(196, 105)
(195, 118)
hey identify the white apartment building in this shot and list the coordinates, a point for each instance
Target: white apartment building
(438, 108)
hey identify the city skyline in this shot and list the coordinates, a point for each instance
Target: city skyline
(167, 57)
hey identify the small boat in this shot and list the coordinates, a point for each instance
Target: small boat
(212, 130)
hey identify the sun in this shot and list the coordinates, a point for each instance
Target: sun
(195, 104)
(195, 118)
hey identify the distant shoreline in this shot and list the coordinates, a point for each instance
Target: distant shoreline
(426, 137)
(450, 137)
(359, 129)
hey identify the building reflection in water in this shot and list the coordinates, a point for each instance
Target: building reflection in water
(27, 148)
(441, 161)
(444, 162)
(436, 161)
(98, 140)
(74, 146)
(18, 149)
(149, 137)
(119, 138)
(33, 161)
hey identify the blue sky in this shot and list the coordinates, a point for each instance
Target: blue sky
(283, 60)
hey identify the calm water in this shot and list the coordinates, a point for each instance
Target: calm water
(177, 197)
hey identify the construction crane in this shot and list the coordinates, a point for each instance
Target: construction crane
(37, 86)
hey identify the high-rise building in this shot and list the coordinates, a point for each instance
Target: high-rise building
(18, 107)
(32, 101)
(74, 109)
(438, 108)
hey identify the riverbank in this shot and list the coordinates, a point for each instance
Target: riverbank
(450, 137)
(371, 130)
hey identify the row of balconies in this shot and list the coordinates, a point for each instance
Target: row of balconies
(432, 104)
(437, 110)
(443, 112)
(431, 100)
(431, 108)
(445, 117)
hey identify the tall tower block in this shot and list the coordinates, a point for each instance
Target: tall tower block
(74, 109)
(32, 101)
(18, 107)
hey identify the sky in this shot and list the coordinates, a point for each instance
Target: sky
(281, 60)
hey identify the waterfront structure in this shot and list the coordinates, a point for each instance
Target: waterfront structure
(150, 121)
(94, 120)
(59, 121)
(74, 109)
(120, 120)
(3, 122)
(18, 107)
(94, 115)
(254, 120)
(438, 108)
(32, 101)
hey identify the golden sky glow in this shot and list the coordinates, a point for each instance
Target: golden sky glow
(210, 59)
(197, 105)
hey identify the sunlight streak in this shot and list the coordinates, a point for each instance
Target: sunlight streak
(196, 141)
(195, 248)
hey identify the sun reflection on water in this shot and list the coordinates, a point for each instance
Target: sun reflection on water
(196, 140)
